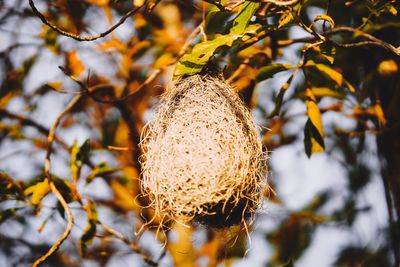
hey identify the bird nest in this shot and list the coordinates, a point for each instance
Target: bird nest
(202, 156)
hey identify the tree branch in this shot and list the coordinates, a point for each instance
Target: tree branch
(134, 247)
(77, 37)
(372, 40)
(87, 90)
(53, 188)
(29, 122)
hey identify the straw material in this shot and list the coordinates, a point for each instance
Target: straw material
(202, 155)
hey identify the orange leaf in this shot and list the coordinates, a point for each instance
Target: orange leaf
(98, 2)
(123, 197)
(377, 108)
(74, 64)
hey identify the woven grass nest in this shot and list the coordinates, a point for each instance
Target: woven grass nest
(202, 156)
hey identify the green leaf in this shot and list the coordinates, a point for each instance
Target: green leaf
(201, 53)
(90, 230)
(100, 170)
(246, 12)
(216, 21)
(38, 191)
(194, 62)
(78, 156)
(269, 71)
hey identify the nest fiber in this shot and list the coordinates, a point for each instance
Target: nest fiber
(202, 155)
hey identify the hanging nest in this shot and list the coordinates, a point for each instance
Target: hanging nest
(202, 156)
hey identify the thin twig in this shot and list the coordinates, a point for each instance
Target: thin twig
(89, 91)
(53, 188)
(29, 122)
(279, 2)
(77, 37)
(373, 41)
(118, 148)
(240, 69)
(124, 239)
(232, 6)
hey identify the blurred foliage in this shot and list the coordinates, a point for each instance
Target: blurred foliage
(293, 62)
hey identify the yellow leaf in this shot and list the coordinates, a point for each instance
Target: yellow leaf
(377, 108)
(98, 2)
(140, 21)
(182, 251)
(285, 19)
(325, 91)
(112, 44)
(351, 88)
(315, 139)
(38, 191)
(108, 12)
(165, 59)
(90, 229)
(123, 197)
(325, 18)
(388, 67)
(138, 3)
(171, 17)
(55, 85)
(74, 63)
(246, 79)
(313, 111)
(328, 71)
(7, 97)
